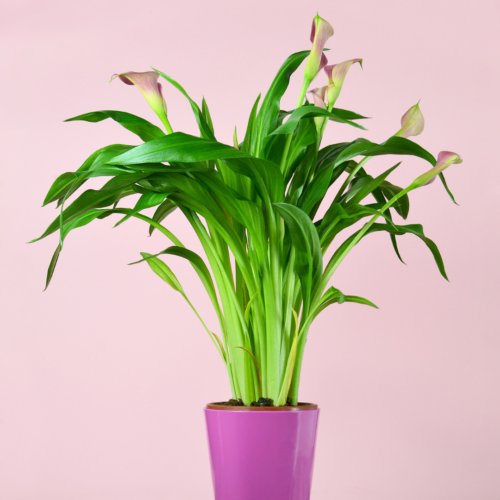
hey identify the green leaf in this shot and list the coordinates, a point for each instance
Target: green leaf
(303, 172)
(93, 166)
(337, 218)
(268, 114)
(52, 266)
(274, 147)
(256, 364)
(111, 192)
(247, 142)
(336, 115)
(415, 229)
(326, 173)
(450, 194)
(402, 205)
(205, 129)
(290, 365)
(329, 154)
(304, 136)
(163, 271)
(198, 265)
(244, 211)
(206, 114)
(147, 200)
(144, 129)
(165, 209)
(60, 187)
(265, 175)
(393, 146)
(335, 296)
(305, 239)
(364, 186)
(178, 147)
(78, 221)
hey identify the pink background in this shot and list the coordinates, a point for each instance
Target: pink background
(88, 370)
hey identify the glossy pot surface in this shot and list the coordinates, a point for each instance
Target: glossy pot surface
(262, 454)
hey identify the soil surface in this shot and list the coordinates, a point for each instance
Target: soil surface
(260, 402)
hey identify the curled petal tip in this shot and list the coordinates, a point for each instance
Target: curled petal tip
(412, 122)
(319, 96)
(336, 75)
(147, 83)
(125, 80)
(444, 160)
(337, 72)
(323, 62)
(321, 31)
(448, 158)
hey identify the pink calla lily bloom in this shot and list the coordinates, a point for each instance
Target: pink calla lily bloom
(147, 83)
(336, 75)
(318, 95)
(444, 160)
(321, 31)
(412, 123)
(319, 101)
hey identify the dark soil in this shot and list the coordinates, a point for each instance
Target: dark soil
(260, 402)
(231, 402)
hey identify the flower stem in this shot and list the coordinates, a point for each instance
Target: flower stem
(166, 123)
(300, 101)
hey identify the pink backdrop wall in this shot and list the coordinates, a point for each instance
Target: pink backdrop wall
(409, 393)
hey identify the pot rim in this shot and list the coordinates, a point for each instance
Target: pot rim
(300, 407)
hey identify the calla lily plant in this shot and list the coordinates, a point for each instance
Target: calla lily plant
(258, 208)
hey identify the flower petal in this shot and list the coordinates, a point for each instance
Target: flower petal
(319, 96)
(321, 31)
(412, 123)
(147, 83)
(323, 62)
(336, 75)
(444, 160)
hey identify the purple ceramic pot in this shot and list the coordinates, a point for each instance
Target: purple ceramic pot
(262, 453)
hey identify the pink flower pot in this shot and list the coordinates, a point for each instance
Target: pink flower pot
(262, 453)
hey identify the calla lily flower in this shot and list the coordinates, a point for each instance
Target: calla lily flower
(444, 160)
(318, 95)
(147, 83)
(319, 101)
(412, 123)
(336, 75)
(321, 31)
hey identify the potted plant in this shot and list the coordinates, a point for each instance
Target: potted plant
(254, 206)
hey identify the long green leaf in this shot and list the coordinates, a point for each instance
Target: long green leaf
(364, 186)
(305, 239)
(337, 115)
(147, 200)
(268, 114)
(178, 147)
(450, 194)
(393, 146)
(144, 129)
(335, 296)
(163, 271)
(93, 166)
(415, 229)
(205, 129)
(111, 192)
(247, 142)
(163, 211)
